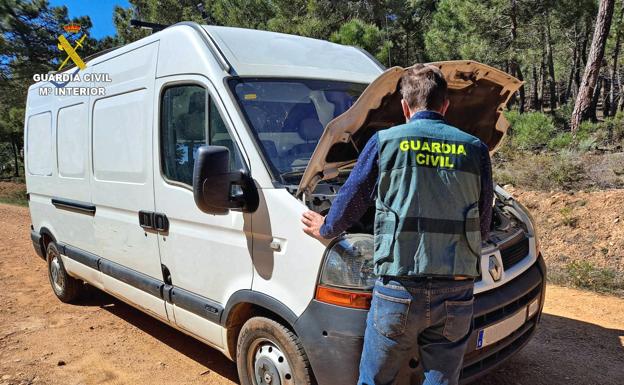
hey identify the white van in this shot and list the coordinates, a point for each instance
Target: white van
(180, 191)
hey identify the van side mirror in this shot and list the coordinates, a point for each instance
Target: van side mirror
(216, 189)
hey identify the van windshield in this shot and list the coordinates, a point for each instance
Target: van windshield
(288, 117)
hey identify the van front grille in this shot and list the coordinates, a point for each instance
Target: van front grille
(515, 252)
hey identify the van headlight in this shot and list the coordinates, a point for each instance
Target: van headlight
(347, 276)
(532, 224)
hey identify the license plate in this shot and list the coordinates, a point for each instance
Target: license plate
(502, 329)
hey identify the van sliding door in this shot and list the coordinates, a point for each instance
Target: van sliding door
(123, 184)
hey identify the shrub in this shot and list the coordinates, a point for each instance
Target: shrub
(565, 171)
(586, 275)
(503, 177)
(586, 129)
(567, 219)
(563, 115)
(587, 144)
(13, 193)
(617, 126)
(531, 130)
(562, 141)
(544, 171)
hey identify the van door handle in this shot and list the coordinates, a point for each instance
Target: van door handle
(161, 222)
(150, 220)
(146, 219)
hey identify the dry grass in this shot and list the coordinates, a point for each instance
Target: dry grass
(581, 236)
(13, 193)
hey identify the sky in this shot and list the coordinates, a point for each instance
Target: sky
(100, 12)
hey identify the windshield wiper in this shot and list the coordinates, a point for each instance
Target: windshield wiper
(290, 174)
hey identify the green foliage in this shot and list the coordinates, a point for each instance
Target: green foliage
(509, 35)
(618, 127)
(563, 114)
(585, 274)
(587, 144)
(531, 130)
(567, 217)
(561, 141)
(29, 31)
(364, 35)
(463, 29)
(563, 171)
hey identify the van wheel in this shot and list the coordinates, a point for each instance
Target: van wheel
(268, 353)
(66, 288)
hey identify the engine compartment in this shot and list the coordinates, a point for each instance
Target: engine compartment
(504, 222)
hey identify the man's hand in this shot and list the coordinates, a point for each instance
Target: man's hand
(312, 222)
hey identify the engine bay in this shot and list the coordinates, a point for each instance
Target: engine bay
(504, 221)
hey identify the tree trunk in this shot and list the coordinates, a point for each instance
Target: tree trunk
(535, 105)
(522, 91)
(591, 114)
(515, 65)
(620, 103)
(551, 68)
(582, 57)
(606, 91)
(568, 92)
(588, 24)
(15, 148)
(594, 61)
(614, 67)
(542, 82)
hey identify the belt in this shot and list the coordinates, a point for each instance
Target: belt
(421, 278)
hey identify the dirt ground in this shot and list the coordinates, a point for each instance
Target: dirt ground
(580, 227)
(104, 341)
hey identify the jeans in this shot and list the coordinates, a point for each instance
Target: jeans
(432, 318)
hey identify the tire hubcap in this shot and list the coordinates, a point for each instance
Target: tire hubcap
(57, 274)
(269, 364)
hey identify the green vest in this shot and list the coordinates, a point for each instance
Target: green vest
(427, 206)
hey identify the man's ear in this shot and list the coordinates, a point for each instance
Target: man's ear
(445, 106)
(406, 110)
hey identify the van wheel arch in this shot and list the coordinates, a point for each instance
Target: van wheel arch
(246, 304)
(46, 238)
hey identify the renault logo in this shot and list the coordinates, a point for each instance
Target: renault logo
(495, 268)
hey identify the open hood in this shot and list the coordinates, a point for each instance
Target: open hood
(477, 92)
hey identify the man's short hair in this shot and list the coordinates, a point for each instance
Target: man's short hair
(423, 87)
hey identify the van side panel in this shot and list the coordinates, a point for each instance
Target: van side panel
(73, 180)
(122, 181)
(288, 274)
(122, 161)
(68, 171)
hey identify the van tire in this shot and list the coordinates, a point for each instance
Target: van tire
(262, 334)
(65, 287)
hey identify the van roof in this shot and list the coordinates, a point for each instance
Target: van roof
(263, 53)
(257, 53)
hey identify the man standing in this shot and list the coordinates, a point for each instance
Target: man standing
(432, 188)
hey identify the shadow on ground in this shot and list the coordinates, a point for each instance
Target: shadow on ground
(562, 351)
(212, 359)
(565, 351)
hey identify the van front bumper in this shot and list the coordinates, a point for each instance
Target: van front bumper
(332, 336)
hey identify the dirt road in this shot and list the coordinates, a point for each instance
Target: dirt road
(103, 341)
